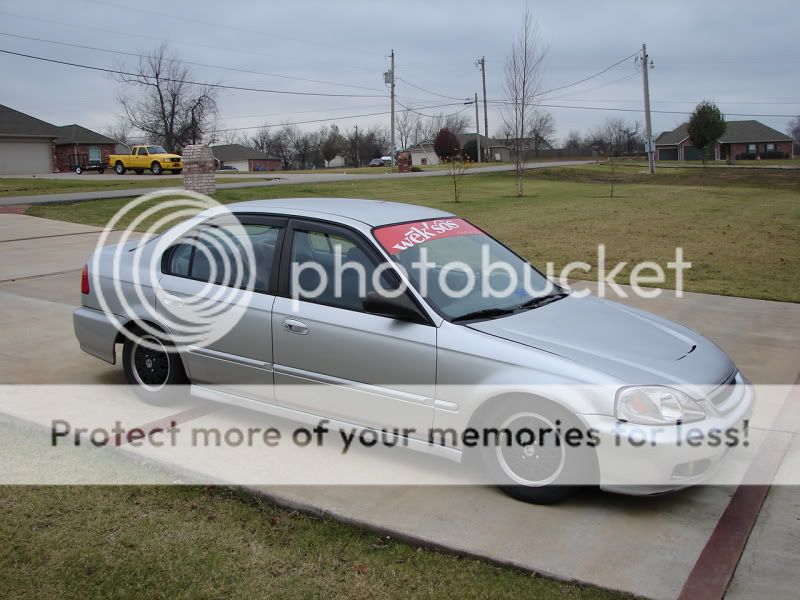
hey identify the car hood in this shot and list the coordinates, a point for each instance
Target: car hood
(635, 346)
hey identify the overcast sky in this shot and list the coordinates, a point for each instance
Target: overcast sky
(743, 55)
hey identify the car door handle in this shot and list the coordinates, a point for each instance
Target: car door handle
(294, 326)
(171, 300)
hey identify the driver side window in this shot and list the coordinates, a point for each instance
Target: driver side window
(332, 268)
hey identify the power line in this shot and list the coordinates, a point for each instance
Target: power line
(385, 112)
(421, 89)
(189, 62)
(619, 62)
(635, 110)
(189, 82)
(416, 112)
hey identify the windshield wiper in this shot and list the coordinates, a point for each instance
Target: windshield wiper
(485, 313)
(542, 300)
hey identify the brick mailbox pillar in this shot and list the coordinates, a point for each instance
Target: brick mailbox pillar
(198, 169)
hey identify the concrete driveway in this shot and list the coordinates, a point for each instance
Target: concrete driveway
(647, 546)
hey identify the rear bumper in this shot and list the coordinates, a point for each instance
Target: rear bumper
(671, 458)
(96, 333)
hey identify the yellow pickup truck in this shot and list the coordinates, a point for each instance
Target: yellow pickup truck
(154, 158)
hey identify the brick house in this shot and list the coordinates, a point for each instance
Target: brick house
(78, 146)
(741, 140)
(244, 158)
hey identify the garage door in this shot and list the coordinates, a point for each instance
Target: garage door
(667, 154)
(692, 153)
(24, 158)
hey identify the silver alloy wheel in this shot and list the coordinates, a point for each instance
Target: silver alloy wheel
(150, 363)
(532, 465)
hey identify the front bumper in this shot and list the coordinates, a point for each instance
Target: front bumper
(96, 333)
(645, 459)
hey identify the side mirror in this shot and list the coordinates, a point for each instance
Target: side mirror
(400, 308)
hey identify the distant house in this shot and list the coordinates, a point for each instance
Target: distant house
(26, 143)
(78, 146)
(423, 154)
(244, 158)
(741, 140)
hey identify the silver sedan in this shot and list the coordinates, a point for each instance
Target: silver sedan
(432, 326)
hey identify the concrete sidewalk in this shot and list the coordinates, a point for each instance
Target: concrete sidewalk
(280, 178)
(645, 546)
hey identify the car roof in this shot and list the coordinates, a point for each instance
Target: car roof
(368, 212)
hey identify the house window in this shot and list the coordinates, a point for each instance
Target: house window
(94, 153)
(770, 147)
(751, 148)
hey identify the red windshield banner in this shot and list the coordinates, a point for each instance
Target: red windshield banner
(396, 238)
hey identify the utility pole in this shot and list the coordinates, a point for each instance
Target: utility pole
(389, 79)
(358, 159)
(646, 65)
(482, 64)
(477, 127)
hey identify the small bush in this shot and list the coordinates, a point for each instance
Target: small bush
(416, 169)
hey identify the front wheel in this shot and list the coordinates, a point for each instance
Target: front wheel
(153, 367)
(119, 168)
(78, 170)
(535, 459)
(155, 168)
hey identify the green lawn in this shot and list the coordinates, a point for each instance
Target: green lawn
(212, 542)
(31, 186)
(740, 229)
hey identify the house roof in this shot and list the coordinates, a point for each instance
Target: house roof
(421, 147)
(735, 132)
(75, 134)
(463, 138)
(18, 124)
(225, 152)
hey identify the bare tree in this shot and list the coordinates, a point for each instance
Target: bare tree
(457, 123)
(260, 140)
(409, 128)
(543, 130)
(120, 132)
(793, 130)
(332, 145)
(523, 75)
(573, 141)
(165, 107)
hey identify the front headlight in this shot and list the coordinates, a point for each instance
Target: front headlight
(656, 405)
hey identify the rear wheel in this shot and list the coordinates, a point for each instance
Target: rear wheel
(119, 168)
(78, 170)
(153, 367)
(536, 464)
(101, 171)
(156, 168)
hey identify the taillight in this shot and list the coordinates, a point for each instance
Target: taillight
(85, 280)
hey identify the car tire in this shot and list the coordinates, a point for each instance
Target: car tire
(154, 369)
(177, 171)
(119, 168)
(78, 170)
(155, 168)
(101, 171)
(538, 473)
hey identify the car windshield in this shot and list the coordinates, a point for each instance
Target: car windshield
(462, 272)
(156, 150)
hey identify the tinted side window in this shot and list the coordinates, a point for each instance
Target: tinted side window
(318, 283)
(219, 254)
